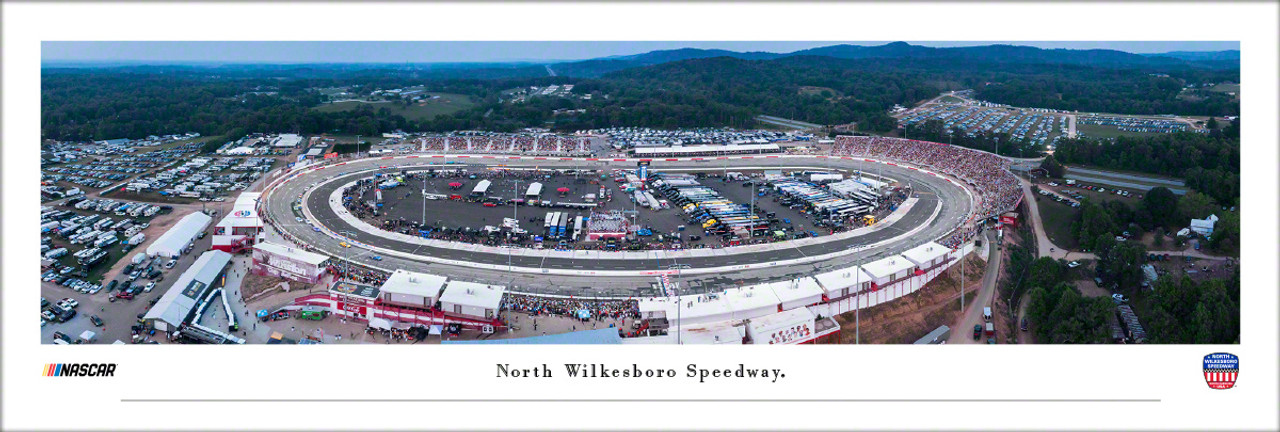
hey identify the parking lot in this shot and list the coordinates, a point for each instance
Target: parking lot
(1034, 126)
(119, 315)
(90, 167)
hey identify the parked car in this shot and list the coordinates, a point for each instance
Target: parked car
(95, 320)
(1119, 298)
(170, 264)
(977, 331)
(71, 302)
(1073, 264)
(1024, 324)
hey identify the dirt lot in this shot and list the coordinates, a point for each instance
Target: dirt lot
(906, 319)
(254, 285)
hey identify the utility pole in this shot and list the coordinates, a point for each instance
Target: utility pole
(515, 214)
(962, 278)
(857, 309)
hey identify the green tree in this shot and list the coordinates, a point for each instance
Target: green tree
(1162, 205)
(1095, 220)
(1195, 205)
(1226, 233)
(1053, 167)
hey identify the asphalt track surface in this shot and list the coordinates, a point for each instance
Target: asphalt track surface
(932, 191)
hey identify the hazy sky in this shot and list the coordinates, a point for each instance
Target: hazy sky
(450, 51)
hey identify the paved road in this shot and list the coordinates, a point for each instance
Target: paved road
(1123, 176)
(932, 191)
(963, 331)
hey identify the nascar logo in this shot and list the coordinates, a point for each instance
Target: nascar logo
(79, 369)
(1220, 370)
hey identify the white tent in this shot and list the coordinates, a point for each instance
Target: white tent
(170, 243)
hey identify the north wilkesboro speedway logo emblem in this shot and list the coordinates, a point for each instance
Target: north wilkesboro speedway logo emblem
(79, 369)
(1220, 370)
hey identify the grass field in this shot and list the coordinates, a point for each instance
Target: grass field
(1224, 87)
(1057, 222)
(950, 99)
(808, 90)
(1103, 131)
(447, 104)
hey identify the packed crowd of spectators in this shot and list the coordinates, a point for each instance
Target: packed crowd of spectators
(986, 174)
(570, 307)
(358, 274)
(526, 144)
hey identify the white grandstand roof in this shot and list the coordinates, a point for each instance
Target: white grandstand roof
(704, 149)
(417, 284)
(719, 332)
(292, 252)
(657, 304)
(926, 252)
(747, 301)
(473, 294)
(839, 279)
(805, 288)
(691, 310)
(888, 266)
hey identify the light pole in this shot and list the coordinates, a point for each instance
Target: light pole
(515, 214)
(424, 201)
(346, 263)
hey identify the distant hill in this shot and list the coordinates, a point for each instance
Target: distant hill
(1229, 55)
(601, 66)
(1008, 54)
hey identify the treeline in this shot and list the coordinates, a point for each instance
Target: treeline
(1160, 211)
(1183, 311)
(84, 106)
(1059, 314)
(1209, 163)
(1115, 91)
(136, 101)
(1178, 311)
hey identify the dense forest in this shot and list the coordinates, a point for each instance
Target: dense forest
(1183, 311)
(1177, 311)
(1113, 92)
(1160, 211)
(690, 90)
(1209, 163)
